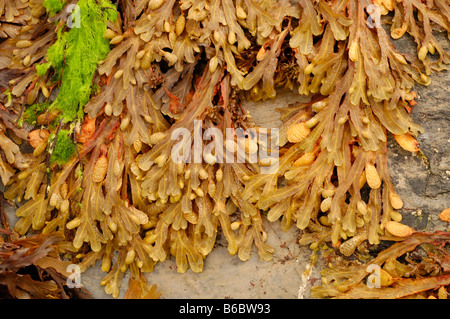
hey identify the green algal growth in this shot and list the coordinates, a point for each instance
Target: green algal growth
(75, 55)
(64, 148)
(42, 69)
(9, 98)
(53, 6)
(32, 112)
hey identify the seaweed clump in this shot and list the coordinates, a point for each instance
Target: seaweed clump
(416, 267)
(135, 74)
